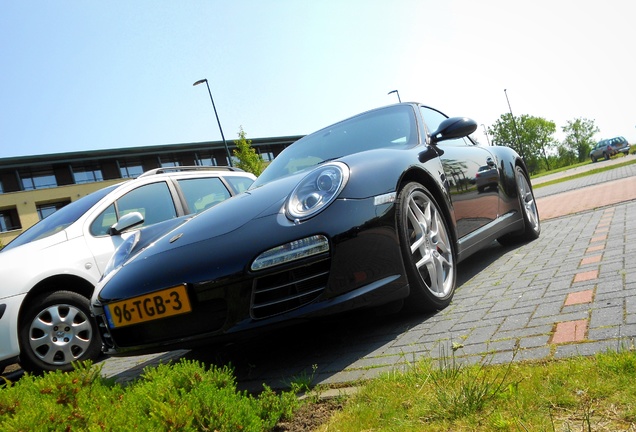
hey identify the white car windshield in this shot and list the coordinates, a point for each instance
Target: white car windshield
(59, 220)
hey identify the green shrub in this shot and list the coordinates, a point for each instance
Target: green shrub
(185, 397)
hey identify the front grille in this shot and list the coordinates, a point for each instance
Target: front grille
(285, 291)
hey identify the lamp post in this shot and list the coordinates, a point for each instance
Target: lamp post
(227, 150)
(514, 124)
(486, 133)
(398, 94)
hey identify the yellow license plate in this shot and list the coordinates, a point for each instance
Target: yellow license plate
(149, 307)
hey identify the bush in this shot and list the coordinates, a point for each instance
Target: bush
(184, 397)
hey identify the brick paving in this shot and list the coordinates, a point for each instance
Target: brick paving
(570, 292)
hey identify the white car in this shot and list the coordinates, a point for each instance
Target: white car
(47, 273)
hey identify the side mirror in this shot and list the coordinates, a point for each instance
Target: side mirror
(125, 222)
(454, 127)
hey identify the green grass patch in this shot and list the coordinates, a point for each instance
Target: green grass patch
(579, 175)
(576, 394)
(186, 396)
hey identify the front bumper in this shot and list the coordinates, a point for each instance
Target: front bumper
(9, 347)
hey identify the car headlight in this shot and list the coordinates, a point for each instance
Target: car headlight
(317, 190)
(121, 253)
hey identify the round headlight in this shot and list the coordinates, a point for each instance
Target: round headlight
(317, 190)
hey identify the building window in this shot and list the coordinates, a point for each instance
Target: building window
(1, 187)
(37, 179)
(204, 159)
(130, 169)
(9, 220)
(87, 174)
(48, 209)
(267, 156)
(169, 161)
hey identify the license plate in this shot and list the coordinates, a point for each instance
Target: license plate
(149, 307)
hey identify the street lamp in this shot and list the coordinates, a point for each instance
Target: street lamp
(486, 133)
(514, 124)
(398, 94)
(227, 150)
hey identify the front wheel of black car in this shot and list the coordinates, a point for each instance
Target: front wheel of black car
(57, 329)
(427, 248)
(529, 212)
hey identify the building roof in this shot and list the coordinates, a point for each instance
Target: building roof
(95, 155)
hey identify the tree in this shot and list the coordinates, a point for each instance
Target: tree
(248, 159)
(539, 133)
(531, 137)
(579, 138)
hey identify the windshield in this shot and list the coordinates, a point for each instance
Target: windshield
(392, 126)
(60, 219)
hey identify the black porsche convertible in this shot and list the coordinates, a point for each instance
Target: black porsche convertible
(372, 210)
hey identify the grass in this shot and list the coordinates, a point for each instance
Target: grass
(579, 175)
(594, 393)
(576, 394)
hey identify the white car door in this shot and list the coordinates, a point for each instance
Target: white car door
(155, 203)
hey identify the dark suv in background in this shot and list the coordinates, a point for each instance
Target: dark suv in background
(609, 147)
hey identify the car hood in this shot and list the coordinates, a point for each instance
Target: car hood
(27, 250)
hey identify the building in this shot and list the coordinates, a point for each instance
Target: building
(33, 187)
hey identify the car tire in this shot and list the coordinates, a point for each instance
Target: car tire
(593, 158)
(529, 212)
(55, 330)
(606, 156)
(428, 249)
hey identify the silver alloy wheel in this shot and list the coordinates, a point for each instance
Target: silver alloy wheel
(429, 242)
(60, 334)
(528, 203)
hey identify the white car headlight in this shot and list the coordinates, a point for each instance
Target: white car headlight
(317, 190)
(121, 253)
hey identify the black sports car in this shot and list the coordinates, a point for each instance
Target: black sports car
(374, 209)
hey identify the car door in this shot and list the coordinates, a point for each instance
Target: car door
(463, 161)
(154, 201)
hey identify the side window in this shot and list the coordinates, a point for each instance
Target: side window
(105, 220)
(432, 118)
(239, 184)
(153, 201)
(203, 193)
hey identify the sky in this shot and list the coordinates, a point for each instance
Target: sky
(89, 75)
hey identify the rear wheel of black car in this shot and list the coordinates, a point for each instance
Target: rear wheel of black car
(57, 329)
(529, 212)
(427, 247)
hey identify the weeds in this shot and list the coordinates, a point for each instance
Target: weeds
(576, 394)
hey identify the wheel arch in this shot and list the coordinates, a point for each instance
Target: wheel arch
(58, 283)
(425, 179)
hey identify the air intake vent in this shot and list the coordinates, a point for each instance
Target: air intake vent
(282, 292)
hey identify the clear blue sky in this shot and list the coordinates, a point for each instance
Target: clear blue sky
(87, 75)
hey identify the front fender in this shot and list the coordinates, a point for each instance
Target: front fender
(380, 171)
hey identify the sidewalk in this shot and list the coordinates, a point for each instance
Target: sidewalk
(587, 198)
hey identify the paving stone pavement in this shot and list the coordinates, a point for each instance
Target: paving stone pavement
(570, 292)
